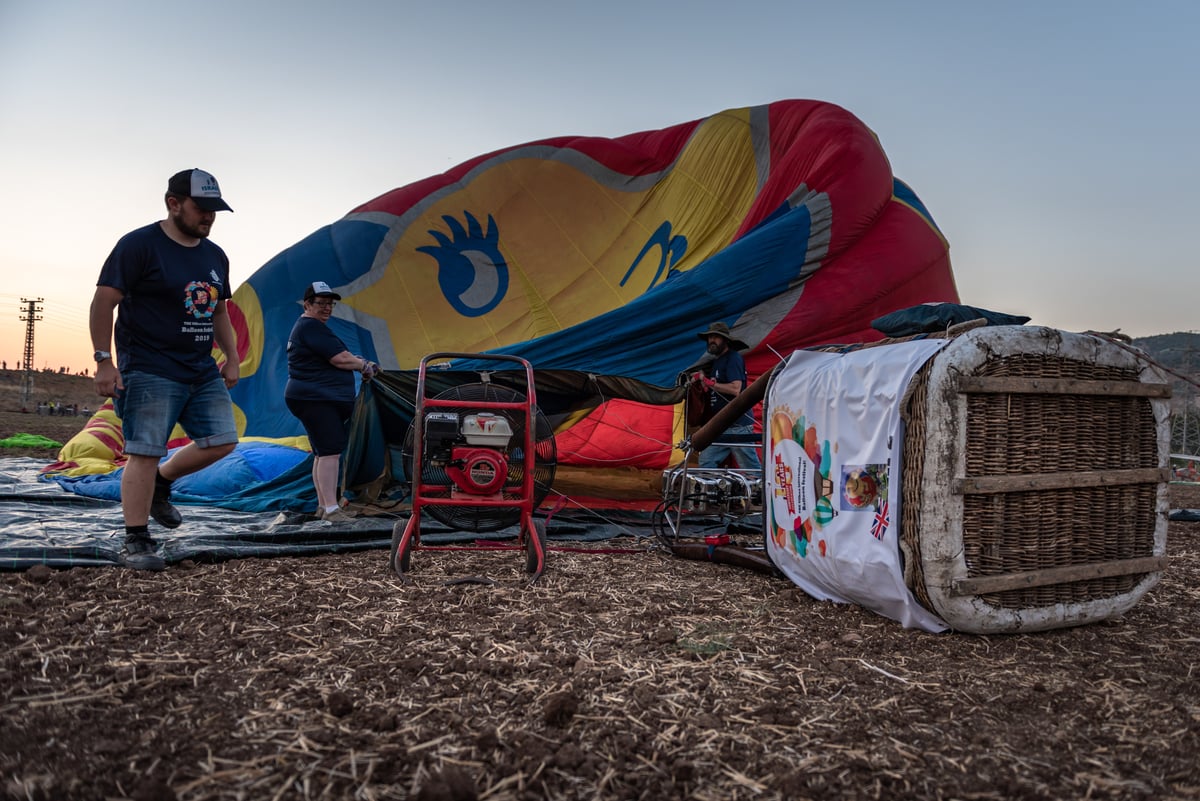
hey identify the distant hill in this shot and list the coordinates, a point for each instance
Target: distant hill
(1179, 352)
(48, 387)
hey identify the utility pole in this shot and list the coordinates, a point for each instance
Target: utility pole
(31, 314)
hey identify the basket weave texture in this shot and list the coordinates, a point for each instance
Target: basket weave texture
(1023, 434)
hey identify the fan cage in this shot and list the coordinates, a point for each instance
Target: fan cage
(497, 512)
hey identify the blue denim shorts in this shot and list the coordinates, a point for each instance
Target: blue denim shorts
(150, 406)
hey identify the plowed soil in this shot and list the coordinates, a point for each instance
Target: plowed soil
(618, 675)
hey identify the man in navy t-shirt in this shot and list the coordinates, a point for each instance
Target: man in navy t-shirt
(168, 284)
(726, 378)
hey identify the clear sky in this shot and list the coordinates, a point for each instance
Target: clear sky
(1055, 142)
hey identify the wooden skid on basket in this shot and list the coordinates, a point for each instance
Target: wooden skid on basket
(1035, 479)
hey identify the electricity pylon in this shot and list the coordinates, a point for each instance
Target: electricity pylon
(30, 315)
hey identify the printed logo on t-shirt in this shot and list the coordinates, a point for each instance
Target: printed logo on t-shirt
(201, 299)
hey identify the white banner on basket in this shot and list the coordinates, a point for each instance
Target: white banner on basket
(832, 489)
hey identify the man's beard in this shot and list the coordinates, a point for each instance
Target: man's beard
(191, 230)
(717, 348)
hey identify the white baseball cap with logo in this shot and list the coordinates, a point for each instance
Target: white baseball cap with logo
(201, 187)
(320, 289)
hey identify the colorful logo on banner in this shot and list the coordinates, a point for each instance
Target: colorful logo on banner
(805, 486)
(802, 498)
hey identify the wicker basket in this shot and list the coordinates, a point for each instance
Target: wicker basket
(1034, 481)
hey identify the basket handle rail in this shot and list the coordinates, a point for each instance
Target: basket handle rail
(1023, 385)
(984, 585)
(1027, 482)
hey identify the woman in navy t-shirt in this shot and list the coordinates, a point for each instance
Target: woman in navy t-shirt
(320, 391)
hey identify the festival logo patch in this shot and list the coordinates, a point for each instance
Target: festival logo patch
(200, 299)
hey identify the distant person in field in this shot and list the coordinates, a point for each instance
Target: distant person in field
(168, 284)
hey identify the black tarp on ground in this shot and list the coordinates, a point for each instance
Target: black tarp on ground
(43, 524)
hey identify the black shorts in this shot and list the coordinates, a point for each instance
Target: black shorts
(325, 422)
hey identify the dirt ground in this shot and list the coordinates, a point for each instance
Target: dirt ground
(59, 429)
(623, 673)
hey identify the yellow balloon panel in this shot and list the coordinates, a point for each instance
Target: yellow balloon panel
(577, 240)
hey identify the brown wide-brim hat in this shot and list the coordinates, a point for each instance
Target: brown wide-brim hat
(722, 330)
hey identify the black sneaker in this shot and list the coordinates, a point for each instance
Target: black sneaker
(163, 512)
(140, 554)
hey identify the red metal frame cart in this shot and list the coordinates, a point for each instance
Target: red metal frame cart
(474, 452)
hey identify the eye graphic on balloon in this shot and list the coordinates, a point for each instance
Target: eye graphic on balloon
(472, 273)
(670, 250)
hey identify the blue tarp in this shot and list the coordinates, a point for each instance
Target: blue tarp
(256, 477)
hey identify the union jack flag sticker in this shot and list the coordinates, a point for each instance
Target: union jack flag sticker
(882, 519)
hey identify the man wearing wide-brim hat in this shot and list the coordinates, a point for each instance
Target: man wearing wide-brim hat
(722, 330)
(725, 377)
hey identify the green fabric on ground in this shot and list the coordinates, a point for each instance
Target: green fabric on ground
(29, 441)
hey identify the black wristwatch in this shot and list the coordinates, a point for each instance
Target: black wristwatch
(101, 355)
